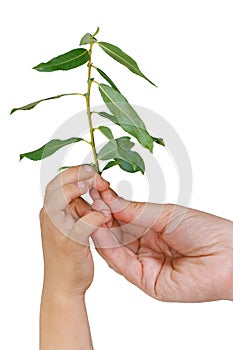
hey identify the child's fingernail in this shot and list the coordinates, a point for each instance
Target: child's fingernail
(88, 168)
(81, 185)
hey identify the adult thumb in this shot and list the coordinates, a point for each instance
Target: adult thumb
(138, 213)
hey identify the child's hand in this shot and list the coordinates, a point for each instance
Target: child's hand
(67, 221)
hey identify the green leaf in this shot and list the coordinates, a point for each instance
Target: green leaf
(65, 167)
(135, 164)
(71, 166)
(110, 164)
(34, 104)
(117, 54)
(121, 152)
(124, 143)
(113, 119)
(106, 77)
(49, 148)
(159, 141)
(96, 32)
(106, 132)
(86, 39)
(111, 150)
(68, 60)
(126, 116)
(109, 116)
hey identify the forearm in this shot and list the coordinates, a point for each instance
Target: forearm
(63, 322)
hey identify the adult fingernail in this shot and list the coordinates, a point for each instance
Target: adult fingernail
(105, 212)
(81, 185)
(88, 168)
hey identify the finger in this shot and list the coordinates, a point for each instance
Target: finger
(148, 215)
(130, 232)
(59, 199)
(121, 259)
(94, 194)
(99, 204)
(104, 238)
(79, 207)
(86, 226)
(74, 174)
(120, 207)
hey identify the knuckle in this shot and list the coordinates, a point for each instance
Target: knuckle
(91, 216)
(69, 188)
(42, 214)
(68, 175)
(97, 215)
(49, 188)
(70, 171)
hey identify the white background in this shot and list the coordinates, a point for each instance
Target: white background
(186, 48)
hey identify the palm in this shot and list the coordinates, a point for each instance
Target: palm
(170, 273)
(188, 264)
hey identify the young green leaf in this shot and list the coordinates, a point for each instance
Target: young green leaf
(106, 77)
(121, 152)
(34, 104)
(126, 116)
(159, 141)
(106, 132)
(86, 39)
(96, 32)
(49, 148)
(66, 61)
(117, 54)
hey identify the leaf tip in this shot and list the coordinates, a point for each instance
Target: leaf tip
(21, 156)
(97, 31)
(38, 68)
(162, 143)
(151, 82)
(13, 110)
(159, 141)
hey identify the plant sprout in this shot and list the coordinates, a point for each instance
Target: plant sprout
(117, 151)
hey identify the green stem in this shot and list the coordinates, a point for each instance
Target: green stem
(88, 105)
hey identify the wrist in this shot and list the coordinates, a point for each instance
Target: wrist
(62, 291)
(63, 320)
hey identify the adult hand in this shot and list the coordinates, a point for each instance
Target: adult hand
(170, 252)
(67, 221)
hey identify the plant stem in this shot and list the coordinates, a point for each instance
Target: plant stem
(88, 105)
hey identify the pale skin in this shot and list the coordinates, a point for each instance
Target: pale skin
(170, 253)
